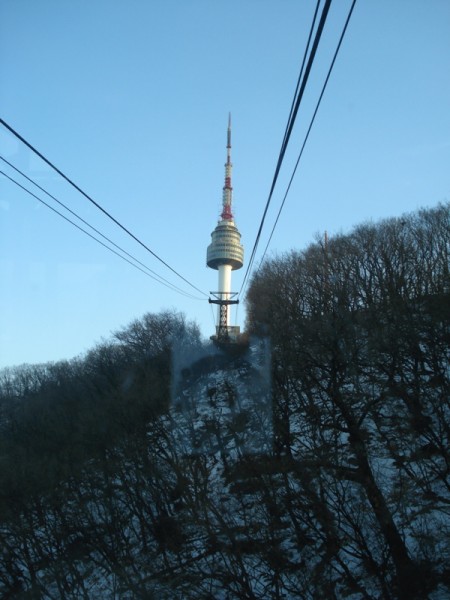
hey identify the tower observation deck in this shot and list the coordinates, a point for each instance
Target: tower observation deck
(225, 253)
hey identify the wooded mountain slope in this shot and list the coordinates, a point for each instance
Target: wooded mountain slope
(158, 467)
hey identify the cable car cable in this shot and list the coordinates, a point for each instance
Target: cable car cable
(47, 161)
(309, 129)
(162, 279)
(311, 58)
(169, 285)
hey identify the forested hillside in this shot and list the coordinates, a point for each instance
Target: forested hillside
(313, 464)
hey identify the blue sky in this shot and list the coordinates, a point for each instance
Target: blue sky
(131, 100)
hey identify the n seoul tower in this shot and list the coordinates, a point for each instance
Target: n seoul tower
(225, 254)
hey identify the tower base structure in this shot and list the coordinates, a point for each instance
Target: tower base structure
(225, 333)
(230, 334)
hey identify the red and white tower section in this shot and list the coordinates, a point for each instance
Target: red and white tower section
(225, 253)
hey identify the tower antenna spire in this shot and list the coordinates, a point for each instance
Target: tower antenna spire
(227, 197)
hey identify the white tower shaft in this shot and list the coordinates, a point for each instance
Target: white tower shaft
(224, 288)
